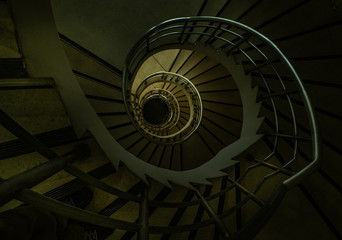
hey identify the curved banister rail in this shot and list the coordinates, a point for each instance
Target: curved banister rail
(179, 26)
(229, 37)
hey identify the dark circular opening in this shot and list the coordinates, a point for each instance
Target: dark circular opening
(156, 111)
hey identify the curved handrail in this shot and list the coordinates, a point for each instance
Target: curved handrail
(235, 37)
(179, 26)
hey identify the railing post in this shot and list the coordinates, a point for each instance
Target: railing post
(182, 33)
(224, 231)
(144, 215)
(212, 36)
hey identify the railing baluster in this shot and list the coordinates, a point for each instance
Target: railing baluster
(238, 197)
(240, 41)
(271, 166)
(179, 213)
(219, 223)
(267, 62)
(276, 94)
(240, 17)
(221, 203)
(144, 215)
(200, 213)
(217, 15)
(160, 197)
(256, 199)
(182, 33)
(307, 139)
(213, 34)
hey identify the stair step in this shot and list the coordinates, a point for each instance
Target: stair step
(52, 138)
(15, 83)
(42, 105)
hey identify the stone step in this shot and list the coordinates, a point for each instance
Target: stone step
(9, 83)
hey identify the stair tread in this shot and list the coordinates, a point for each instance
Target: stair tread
(26, 82)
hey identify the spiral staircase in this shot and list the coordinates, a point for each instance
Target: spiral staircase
(231, 153)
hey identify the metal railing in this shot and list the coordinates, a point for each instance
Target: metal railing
(17, 186)
(229, 38)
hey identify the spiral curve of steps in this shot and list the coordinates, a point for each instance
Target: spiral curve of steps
(248, 182)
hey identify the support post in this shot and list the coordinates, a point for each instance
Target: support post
(220, 225)
(144, 215)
